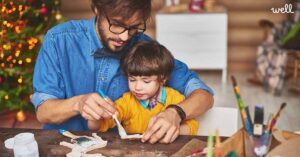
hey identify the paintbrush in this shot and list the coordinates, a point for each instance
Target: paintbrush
(269, 123)
(122, 131)
(274, 120)
(245, 121)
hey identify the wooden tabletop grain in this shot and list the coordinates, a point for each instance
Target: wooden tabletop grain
(48, 143)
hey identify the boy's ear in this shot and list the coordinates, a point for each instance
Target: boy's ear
(163, 82)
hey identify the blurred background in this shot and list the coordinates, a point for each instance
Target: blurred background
(218, 38)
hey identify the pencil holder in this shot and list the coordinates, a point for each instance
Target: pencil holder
(244, 146)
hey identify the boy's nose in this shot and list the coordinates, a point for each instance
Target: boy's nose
(138, 86)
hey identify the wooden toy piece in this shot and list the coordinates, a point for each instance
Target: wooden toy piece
(81, 140)
(79, 150)
(134, 136)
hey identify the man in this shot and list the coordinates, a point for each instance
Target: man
(79, 57)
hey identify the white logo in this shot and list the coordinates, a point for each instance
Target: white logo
(286, 9)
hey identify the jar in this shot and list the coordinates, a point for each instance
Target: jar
(25, 145)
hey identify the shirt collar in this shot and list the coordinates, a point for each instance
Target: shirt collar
(103, 52)
(161, 97)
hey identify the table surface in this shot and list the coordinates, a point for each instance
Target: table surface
(48, 143)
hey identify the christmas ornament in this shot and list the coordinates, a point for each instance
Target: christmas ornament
(43, 10)
(21, 117)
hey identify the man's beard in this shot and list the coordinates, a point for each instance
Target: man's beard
(105, 42)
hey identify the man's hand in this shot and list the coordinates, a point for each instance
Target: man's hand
(93, 107)
(164, 127)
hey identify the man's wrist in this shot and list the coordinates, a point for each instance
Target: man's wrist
(76, 104)
(180, 112)
(76, 107)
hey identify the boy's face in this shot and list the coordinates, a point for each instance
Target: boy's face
(110, 30)
(143, 87)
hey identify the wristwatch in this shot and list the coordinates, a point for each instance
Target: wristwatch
(179, 110)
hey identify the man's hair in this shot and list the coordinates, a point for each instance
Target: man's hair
(124, 8)
(146, 59)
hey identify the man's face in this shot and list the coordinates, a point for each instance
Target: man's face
(116, 41)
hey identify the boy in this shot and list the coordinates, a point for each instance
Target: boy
(147, 67)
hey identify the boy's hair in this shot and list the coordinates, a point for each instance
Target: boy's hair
(124, 8)
(146, 59)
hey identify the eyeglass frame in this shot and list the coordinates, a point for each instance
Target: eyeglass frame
(125, 28)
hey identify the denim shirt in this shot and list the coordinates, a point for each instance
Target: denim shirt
(72, 61)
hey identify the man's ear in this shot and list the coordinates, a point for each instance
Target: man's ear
(96, 11)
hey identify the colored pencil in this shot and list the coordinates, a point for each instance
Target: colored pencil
(218, 152)
(210, 143)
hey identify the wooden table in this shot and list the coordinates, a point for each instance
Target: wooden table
(48, 143)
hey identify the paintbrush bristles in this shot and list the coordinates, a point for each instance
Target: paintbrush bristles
(279, 111)
(233, 80)
(274, 120)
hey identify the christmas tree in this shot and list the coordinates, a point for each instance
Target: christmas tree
(23, 25)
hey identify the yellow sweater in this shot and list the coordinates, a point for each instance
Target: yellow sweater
(134, 117)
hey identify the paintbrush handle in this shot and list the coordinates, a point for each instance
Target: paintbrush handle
(67, 134)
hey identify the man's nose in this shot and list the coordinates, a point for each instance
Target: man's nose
(124, 36)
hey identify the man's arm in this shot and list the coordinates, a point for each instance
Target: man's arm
(56, 111)
(164, 127)
(201, 100)
(91, 107)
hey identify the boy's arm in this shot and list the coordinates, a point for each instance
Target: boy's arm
(93, 124)
(184, 129)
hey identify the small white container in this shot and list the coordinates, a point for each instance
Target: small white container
(25, 145)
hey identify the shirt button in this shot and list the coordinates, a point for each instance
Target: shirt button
(102, 79)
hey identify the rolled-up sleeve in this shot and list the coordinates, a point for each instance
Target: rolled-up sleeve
(185, 80)
(39, 98)
(47, 81)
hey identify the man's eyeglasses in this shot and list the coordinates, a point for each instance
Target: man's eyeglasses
(119, 29)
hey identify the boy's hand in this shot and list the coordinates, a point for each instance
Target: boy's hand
(164, 127)
(93, 107)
